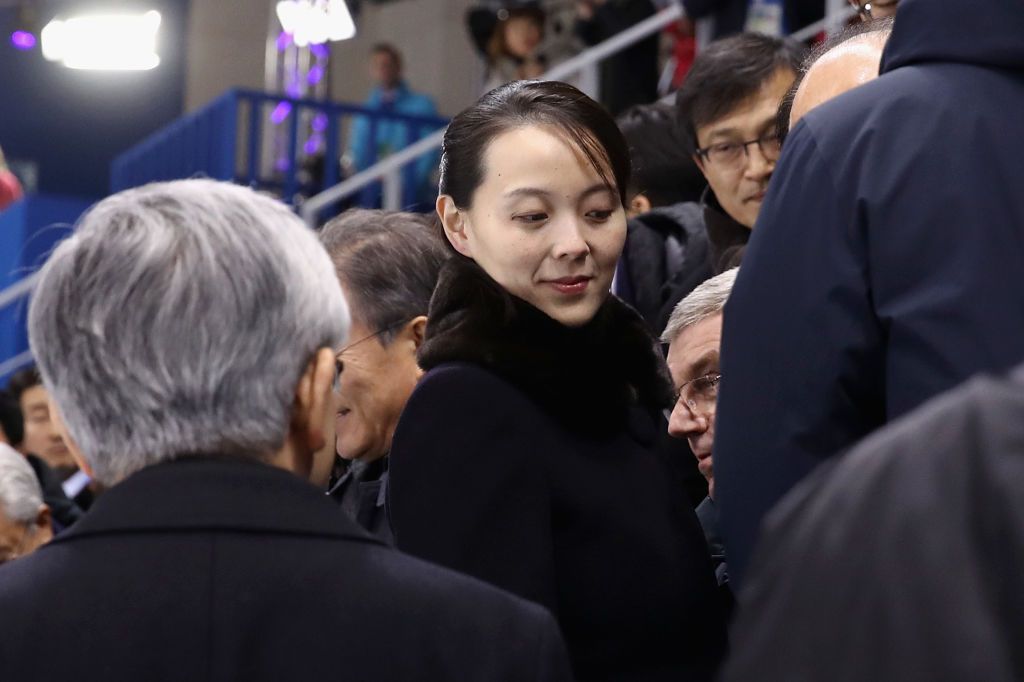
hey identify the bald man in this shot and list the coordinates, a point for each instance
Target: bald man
(850, 58)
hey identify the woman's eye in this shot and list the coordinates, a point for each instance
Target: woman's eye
(531, 217)
(600, 216)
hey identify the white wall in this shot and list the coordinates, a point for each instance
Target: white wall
(227, 43)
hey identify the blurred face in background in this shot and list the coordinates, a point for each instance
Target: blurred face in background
(522, 36)
(385, 69)
(374, 383)
(543, 224)
(42, 437)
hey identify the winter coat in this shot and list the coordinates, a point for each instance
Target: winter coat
(903, 560)
(227, 569)
(525, 458)
(886, 262)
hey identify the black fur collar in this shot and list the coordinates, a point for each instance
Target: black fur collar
(586, 377)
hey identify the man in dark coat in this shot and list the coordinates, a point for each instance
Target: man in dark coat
(884, 266)
(903, 560)
(186, 332)
(730, 16)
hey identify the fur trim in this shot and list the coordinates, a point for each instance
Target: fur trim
(585, 377)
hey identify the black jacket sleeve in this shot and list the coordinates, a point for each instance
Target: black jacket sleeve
(464, 490)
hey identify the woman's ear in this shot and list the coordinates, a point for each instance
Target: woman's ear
(454, 222)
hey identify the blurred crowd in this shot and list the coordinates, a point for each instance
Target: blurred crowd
(723, 388)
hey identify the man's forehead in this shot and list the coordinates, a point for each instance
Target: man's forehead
(694, 343)
(754, 113)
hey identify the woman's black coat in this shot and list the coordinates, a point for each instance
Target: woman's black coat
(525, 458)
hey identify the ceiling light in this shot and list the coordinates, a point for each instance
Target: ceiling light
(312, 22)
(103, 42)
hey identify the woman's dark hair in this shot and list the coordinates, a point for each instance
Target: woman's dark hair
(584, 122)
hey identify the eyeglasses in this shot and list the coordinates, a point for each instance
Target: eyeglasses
(339, 364)
(884, 8)
(699, 395)
(733, 154)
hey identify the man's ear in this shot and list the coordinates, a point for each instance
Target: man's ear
(639, 205)
(454, 222)
(313, 400)
(58, 423)
(699, 160)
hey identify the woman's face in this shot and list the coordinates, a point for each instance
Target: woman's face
(522, 36)
(543, 224)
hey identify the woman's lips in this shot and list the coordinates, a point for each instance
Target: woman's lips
(570, 285)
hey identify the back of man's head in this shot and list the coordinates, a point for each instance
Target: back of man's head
(662, 157)
(728, 73)
(12, 421)
(849, 58)
(177, 319)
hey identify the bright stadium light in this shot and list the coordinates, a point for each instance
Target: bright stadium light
(103, 42)
(312, 22)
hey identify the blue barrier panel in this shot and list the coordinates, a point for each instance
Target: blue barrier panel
(31, 227)
(208, 142)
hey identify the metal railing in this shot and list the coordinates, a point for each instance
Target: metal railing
(256, 138)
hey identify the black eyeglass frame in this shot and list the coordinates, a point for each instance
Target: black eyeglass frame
(705, 152)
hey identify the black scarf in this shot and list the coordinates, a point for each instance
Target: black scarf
(586, 377)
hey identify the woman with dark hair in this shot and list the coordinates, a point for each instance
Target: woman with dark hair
(525, 455)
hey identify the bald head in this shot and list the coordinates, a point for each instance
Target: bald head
(842, 68)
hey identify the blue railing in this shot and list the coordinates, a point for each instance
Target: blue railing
(255, 138)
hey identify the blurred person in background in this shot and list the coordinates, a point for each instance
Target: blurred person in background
(196, 383)
(388, 264)
(10, 186)
(24, 517)
(369, 144)
(40, 436)
(630, 76)
(510, 39)
(64, 510)
(878, 9)
(890, 243)
(526, 455)
(771, 17)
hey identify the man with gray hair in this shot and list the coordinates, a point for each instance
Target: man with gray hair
(694, 334)
(186, 335)
(24, 517)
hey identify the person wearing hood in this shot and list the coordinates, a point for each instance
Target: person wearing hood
(885, 263)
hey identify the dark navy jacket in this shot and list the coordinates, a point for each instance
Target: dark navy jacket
(887, 260)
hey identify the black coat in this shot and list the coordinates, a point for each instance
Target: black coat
(525, 457)
(903, 560)
(207, 569)
(730, 16)
(886, 263)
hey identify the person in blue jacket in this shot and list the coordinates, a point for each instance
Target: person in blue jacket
(392, 94)
(885, 264)
(776, 17)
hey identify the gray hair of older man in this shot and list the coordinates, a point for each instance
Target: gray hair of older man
(703, 302)
(178, 319)
(21, 497)
(388, 264)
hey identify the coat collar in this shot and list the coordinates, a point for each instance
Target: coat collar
(727, 236)
(215, 493)
(586, 377)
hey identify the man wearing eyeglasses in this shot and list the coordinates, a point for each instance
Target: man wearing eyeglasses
(727, 109)
(693, 335)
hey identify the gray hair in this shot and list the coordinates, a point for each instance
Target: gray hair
(177, 319)
(388, 264)
(21, 497)
(703, 302)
